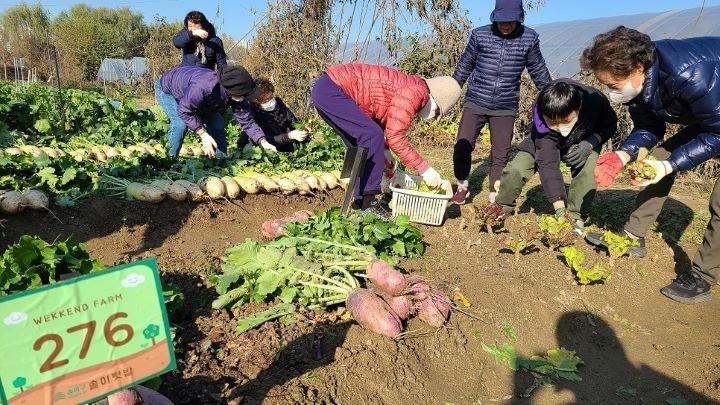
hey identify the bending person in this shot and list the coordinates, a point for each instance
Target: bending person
(373, 106)
(666, 81)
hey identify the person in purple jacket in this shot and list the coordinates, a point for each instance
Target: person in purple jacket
(195, 97)
(665, 81)
(571, 122)
(198, 43)
(492, 64)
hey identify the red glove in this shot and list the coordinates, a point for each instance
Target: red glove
(608, 167)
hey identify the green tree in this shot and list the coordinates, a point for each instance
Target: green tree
(24, 34)
(85, 36)
(159, 49)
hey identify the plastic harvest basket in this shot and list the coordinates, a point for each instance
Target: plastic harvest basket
(422, 207)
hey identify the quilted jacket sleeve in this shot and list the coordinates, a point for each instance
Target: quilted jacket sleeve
(402, 108)
(243, 116)
(536, 66)
(467, 61)
(700, 89)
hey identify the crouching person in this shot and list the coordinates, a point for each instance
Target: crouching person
(571, 121)
(275, 118)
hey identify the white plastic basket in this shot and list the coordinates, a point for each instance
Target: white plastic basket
(422, 207)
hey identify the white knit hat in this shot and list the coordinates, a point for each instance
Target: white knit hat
(445, 91)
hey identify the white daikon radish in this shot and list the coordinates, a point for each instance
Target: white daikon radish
(164, 185)
(125, 152)
(267, 183)
(302, 187)
(321, 181)
(111, 152)
(312, 181)
(13, 151)
(331, 180)
(145, 192)
(232, 188)
(286, 186)
(213, 187)
(37, 200)
(177, 191)
(247, 184)
(31, 149)
(12, 202)
(195, 194)
(52, 153)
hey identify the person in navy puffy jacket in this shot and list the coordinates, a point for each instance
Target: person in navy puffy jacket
(198, 43)
(667, 81)
(493, 61)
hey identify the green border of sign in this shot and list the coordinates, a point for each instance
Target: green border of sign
(149, 262)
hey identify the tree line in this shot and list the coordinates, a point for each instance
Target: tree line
(76, 41)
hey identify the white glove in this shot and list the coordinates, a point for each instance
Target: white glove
(385, 183)
(208, 144)
(268, 146)
(431, 178)
(662, 169)
(199, 32)
(298, 135)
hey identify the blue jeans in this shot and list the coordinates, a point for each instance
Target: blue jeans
(214, 124)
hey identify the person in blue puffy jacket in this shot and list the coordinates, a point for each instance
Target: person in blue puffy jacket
(493, 61)
(667, 81)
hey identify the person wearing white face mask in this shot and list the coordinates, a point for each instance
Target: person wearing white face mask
(276, 119)
(666, 81)
(571, 121)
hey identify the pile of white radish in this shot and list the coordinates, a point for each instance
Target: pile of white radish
(96, 153)
(99, 153)
(216, 188)
(13, 202)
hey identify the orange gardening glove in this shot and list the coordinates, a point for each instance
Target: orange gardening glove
(608, 167)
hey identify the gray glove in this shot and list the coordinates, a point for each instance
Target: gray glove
(577, 154)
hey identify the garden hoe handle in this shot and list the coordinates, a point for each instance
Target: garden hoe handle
(353, 166)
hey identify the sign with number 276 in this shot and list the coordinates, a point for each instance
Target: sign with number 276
(78, 340)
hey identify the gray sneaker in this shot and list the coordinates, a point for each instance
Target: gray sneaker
(377, 208)
(688, 288)
(596, 239)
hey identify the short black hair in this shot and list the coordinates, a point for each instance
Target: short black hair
(558, 99)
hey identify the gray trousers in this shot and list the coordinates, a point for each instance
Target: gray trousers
(580, 193)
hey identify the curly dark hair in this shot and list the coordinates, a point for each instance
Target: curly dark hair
(619, 52)
(196, 17)
(265, 85)
(559, 99)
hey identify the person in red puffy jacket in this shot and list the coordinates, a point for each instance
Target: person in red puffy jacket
(372, 106)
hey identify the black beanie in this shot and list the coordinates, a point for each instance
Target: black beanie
(237, 81)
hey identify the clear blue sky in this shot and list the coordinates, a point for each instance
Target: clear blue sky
(236, 17)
